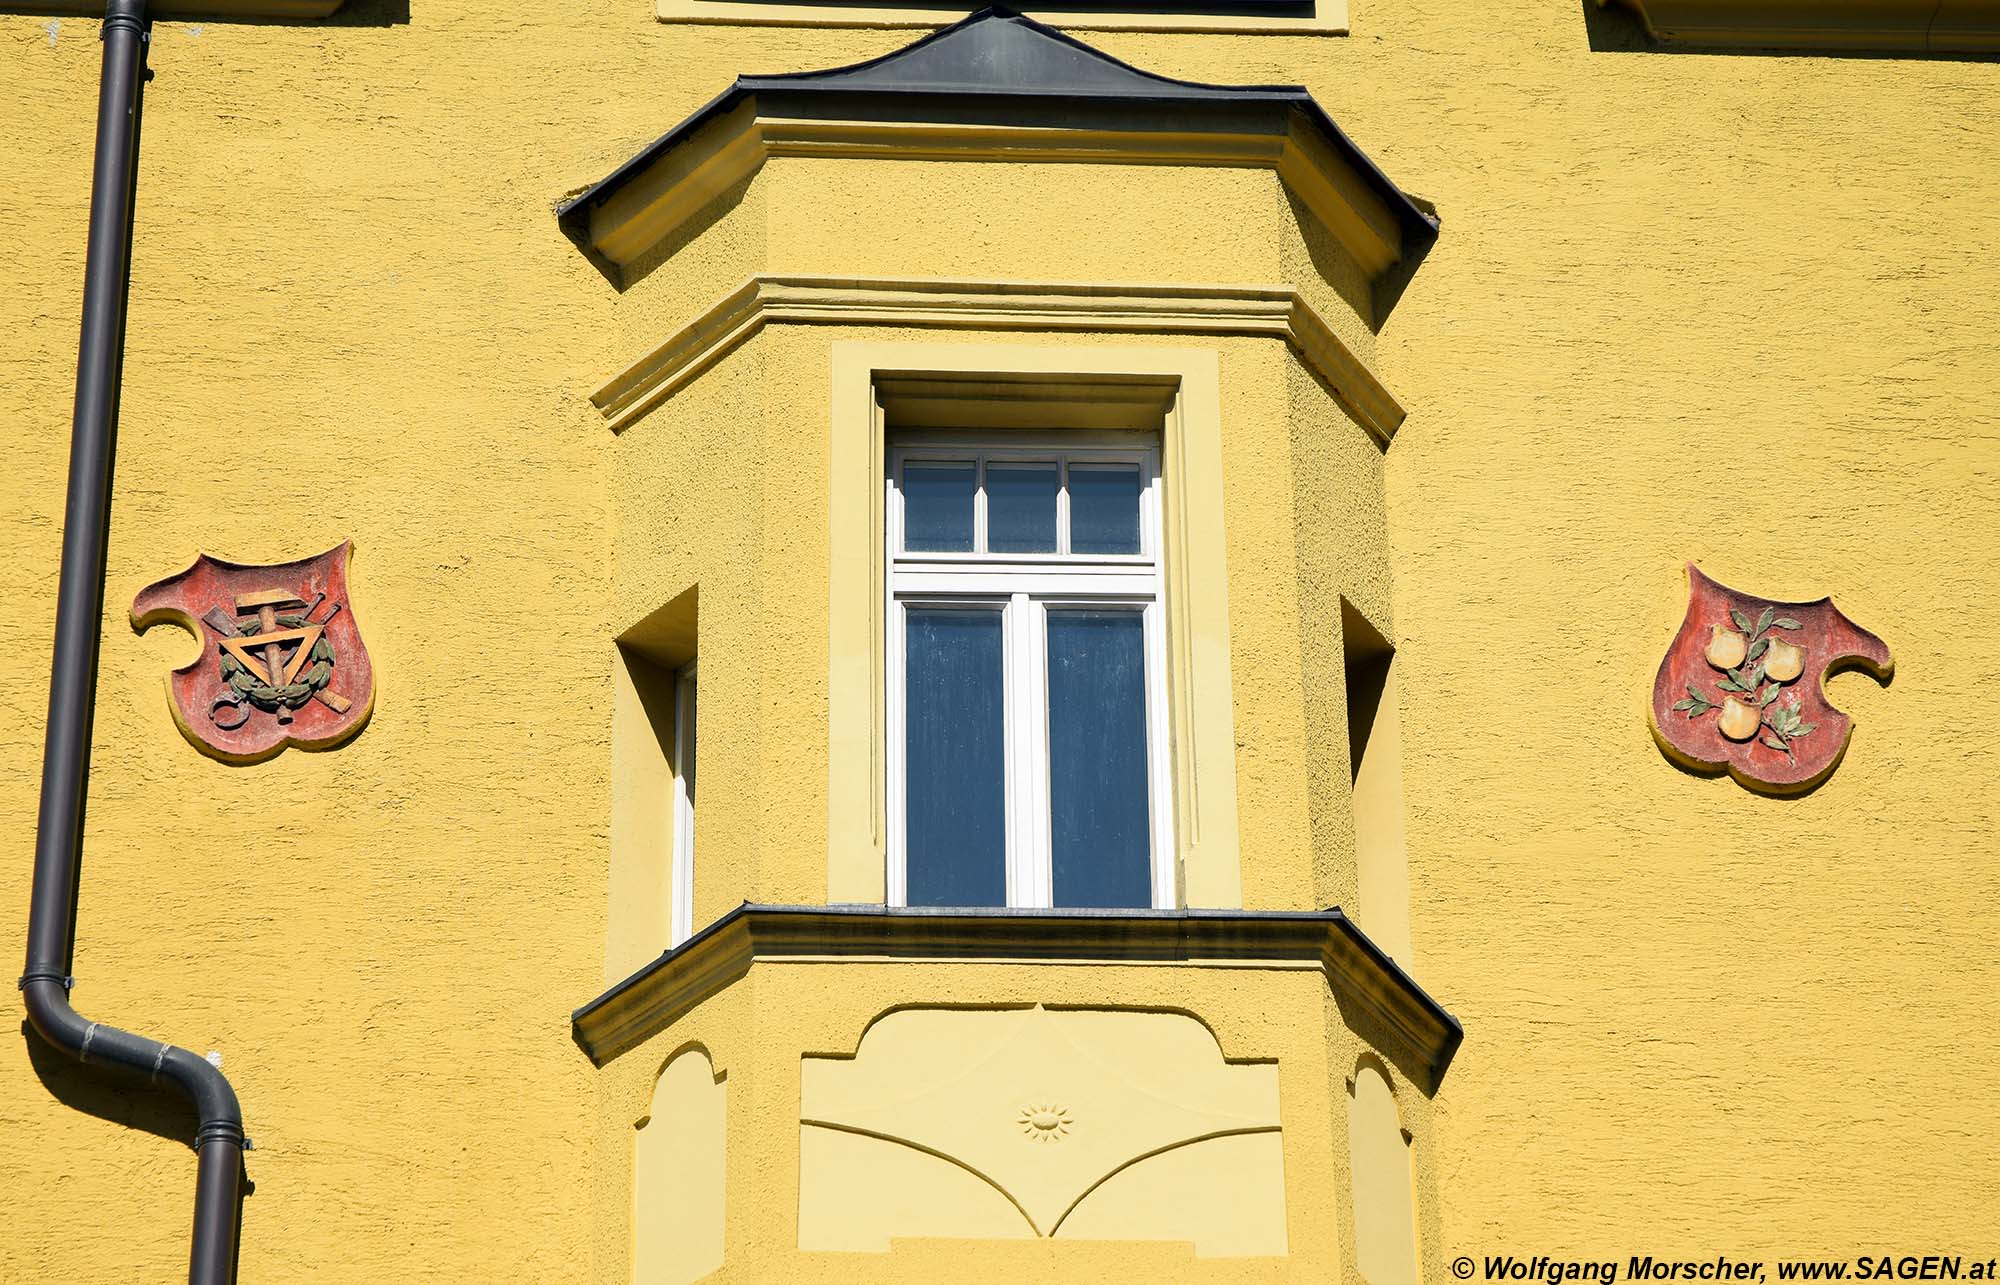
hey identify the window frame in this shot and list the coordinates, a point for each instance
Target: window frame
(687, 735)
(1022, 588)
(988, 380)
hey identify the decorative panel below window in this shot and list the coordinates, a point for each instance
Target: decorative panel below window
(1082, 1124)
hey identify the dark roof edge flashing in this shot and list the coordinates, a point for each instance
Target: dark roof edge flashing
(680, 979)
(1008, 60)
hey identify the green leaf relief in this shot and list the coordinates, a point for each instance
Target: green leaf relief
(1742, 621)
(1764, 621)
(1787, 623)
(1758, 648)
(1776, 744)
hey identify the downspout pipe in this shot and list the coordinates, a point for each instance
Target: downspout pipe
(46, 982)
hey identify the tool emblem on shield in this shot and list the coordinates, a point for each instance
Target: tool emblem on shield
(282, 661)
(1740, 688)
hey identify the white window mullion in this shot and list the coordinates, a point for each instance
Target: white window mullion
(1062, 507)
(1022, 880)
(897, 890)
(1159, 765)
(1034, 716)
(979, 504)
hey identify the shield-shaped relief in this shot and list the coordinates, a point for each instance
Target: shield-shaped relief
(282, 660)
(1741, 686)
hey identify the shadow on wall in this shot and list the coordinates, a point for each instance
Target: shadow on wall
(1615, 29)
(361, 13)
(108, 1095)
(717, 208)
(112, 1096)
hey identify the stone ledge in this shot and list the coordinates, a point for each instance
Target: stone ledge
(679, 980)
(1275, 311)
(1882, 26)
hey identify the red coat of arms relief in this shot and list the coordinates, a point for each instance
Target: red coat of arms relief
(1740, 688)
(282, 661)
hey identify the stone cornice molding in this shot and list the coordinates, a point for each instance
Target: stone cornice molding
(1355, 968)
(1916, 26)
(652, 207)
(1273, 311)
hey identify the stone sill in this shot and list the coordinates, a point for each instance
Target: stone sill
(1853, 26)
(679, 980)
(1326, 17)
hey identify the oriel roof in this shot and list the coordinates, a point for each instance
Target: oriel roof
(999, 66)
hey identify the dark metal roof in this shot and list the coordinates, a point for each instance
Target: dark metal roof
(997, 58)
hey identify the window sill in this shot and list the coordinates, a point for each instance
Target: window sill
(1326, 18)
(674, 984)
(1882, 26)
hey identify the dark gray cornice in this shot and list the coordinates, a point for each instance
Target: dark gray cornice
(679, 980)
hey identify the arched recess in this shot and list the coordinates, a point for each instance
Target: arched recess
(677, 1175)
(1382, 1180)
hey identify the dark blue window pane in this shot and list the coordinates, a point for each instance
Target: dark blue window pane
(1021, 508)
(1097, 759)
(1103, 509)
(937, 507)
(955, 820)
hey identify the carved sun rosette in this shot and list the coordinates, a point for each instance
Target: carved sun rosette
(1741, 689)
(1044, 1123)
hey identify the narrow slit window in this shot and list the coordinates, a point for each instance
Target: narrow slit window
(681, 925)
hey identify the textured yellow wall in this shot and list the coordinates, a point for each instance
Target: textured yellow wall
(1738, 309)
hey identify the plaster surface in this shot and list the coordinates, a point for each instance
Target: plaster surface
(1731, 309)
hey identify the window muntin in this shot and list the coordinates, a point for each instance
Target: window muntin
(1026, 684)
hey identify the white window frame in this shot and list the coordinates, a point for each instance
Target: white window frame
(687, 732)
(1022, 588)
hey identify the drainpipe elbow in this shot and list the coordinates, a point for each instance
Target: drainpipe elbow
(49, 1011)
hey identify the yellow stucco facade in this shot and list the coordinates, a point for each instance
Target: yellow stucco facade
(1730, 308)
